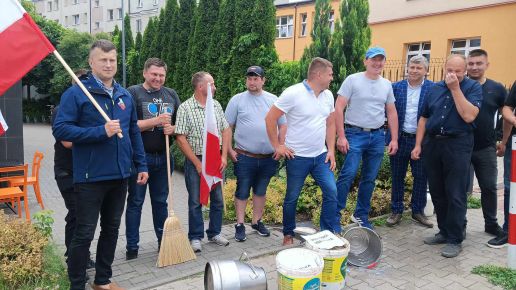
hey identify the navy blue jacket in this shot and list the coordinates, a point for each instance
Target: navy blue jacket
(400, 94)
(95, 156)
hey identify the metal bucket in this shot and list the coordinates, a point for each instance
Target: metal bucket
(365, 246)
(234, 275)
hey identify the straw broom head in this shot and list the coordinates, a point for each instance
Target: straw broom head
(175, 246)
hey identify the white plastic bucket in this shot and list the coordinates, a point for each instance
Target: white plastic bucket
(335, 265)
(299, 269)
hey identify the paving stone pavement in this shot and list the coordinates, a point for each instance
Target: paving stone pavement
(406, 262)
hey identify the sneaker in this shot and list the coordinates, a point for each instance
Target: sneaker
(288, 240)
(494, 230)
(240, 233)
(451, 250)
(91, 263)
(131, 254)
(219, 240)
(435, 240)
(196, 245)
(423, 220)
(363, 222)
(498, 242)
(393, 219)
(260, 228)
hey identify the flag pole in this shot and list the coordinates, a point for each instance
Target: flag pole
(84, 90)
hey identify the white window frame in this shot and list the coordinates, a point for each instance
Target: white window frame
(76, 19)
(56, 5)
(86, 18)
(97, 3)
(287, 28)
(467, 48)
(421, 51)
(75, 2)
(331, 21)
(303, 30)
(140, 3)
(156, 2)
(111, 14)
(139, 25)
(97, 25)
(119, 13)
(49, 6)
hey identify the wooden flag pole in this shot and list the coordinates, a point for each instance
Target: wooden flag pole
(84, 90)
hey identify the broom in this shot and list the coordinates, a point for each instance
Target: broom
(175, 246)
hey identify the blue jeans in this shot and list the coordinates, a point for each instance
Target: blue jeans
(298, 169)
(253, 173)
(195, 220)
(158, 190)
(367, 147)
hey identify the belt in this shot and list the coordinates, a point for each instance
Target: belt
(253, 155)
(363, 129)
(408, 135)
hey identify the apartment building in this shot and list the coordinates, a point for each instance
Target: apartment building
(94, 16)
(406, 28)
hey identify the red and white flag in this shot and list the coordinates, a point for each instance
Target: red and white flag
(3, 125)
(211, 159)
(22, 44)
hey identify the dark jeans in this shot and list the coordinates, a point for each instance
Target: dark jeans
(158, 190)
(298, 169)
(254, 173)
(65, 185)
(106, 198)
(399, 166)
(195, 220)
(485, 166)
(507, 183)
(447, 163)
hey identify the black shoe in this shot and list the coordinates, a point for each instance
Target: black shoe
(393, 219)
(90, 264)
(498, 242)
(435, 240)
(423, 220)
(451, 250)
(261, 229)
(494, 230)
(131, 254)
(240, 233)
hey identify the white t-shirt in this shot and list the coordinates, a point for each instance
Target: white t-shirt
(306, 118)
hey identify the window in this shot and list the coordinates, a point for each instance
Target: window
(120, 15)
(75, 2)
(97, 25)
(110, 14)
(56, 5)
(140, 3)
(85, 18)
(66, 21)
(304, 17)
(464, 46)
(75, 19)
(331, 21)
(421, 48)
(156, 2)
(138, 25)
(49, 6)
(97, 3)
(284, 26)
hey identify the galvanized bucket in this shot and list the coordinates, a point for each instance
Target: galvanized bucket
(234, 275)
(365, 246)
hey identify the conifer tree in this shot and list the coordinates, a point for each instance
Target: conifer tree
(169, 52)
(133, 61)
(205, 20)
(148, 37)
(182, 75)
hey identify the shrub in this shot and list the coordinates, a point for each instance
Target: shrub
(43, 221)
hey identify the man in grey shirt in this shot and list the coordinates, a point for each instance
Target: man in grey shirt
(252, 155)
(368, 96)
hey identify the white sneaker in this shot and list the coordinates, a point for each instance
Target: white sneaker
(196, 245)
(219, 240)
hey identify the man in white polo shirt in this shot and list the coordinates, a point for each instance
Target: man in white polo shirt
(309, 109)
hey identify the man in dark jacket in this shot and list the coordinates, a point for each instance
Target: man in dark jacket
(101, 162)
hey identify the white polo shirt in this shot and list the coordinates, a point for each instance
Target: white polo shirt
(306, 118)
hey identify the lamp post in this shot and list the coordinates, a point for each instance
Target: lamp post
(123, 47)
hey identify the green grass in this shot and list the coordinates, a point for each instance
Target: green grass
(497, 275)
(54, 274)
(474, 202)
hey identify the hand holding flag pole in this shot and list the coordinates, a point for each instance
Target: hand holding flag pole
(23, 45)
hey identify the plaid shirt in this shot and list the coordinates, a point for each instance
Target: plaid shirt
(190, 122)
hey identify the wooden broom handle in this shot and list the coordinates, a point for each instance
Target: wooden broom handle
(169, 176)
(84, 90)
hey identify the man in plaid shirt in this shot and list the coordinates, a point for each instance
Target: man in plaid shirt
(189, 131)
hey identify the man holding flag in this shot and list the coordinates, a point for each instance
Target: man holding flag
(201, 129)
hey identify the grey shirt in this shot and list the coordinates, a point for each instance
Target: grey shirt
(366, 100)
(247, 113)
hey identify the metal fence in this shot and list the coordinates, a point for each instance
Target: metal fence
(396, 70)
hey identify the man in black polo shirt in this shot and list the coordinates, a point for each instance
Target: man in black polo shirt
(446, 126)
(156, 107)
(485, 148)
